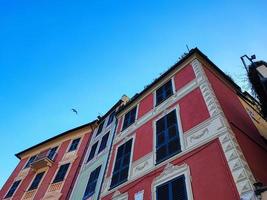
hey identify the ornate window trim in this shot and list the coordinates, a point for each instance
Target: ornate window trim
(180, 129)
(171, 172)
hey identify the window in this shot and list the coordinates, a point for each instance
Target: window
(121, 167)
(100, 128)
(167, 137)
(92, 152)
(52, 153)
(91, 185)
(111, 117)
(164, 92)
(30, 161)
(129, 118)
(74, 144)
(103, 143)
(61, 173)
(36, 181)
(12, 189)
(172, 190)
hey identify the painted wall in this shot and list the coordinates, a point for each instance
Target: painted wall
(204, 167)
(251, 142)
(98, 160)
(10, 180)
(27, 175)
(207, 167)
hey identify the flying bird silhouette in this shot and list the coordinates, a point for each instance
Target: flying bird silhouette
(75, 111)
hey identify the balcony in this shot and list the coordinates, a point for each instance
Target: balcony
(43, 159)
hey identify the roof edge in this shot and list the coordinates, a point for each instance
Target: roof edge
(173, 67)
(18, 155)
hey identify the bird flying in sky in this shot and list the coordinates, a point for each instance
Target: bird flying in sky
(75, 111)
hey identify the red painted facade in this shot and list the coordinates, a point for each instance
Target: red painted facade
(207, 167)
(212, 172)
(252, 144)
(50, 172)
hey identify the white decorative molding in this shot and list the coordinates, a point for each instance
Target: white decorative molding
(142, 165)
(22, 174)
(118, 196)
(197, 70)
(203, 131)
(216, 126)
(106, 185)
(158, 109)
(238, 166)
(171, 172)
(68, 157)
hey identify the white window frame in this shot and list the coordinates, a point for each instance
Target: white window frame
(130, 162)
(43, 170)
(55, 152)
(96, 151)
(174, 171)
(66, 175)
(81, 139)
(180, 129)
(4, 197)
(135, 120)
(28, 161)
(155, 92)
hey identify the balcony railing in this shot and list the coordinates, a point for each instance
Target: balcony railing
(43, 159)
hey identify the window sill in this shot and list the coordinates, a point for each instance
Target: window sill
(168, 157)
(118, 184)
(158, 103)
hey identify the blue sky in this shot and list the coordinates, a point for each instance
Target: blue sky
(58, 55)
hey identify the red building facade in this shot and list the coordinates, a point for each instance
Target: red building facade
(48, 170)
(186, 136)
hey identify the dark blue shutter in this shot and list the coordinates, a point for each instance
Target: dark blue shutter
(91, 185)
(61, 173)
(92, 152)
(13, 189)
(111, 117)
(100, 128)
(52, 152)
(167, 137)
(129, 118)
(36, 181)
(121, 166)
(164, 92)
(74, 144)
(172, 190)
(30, 161)
(103, 142)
